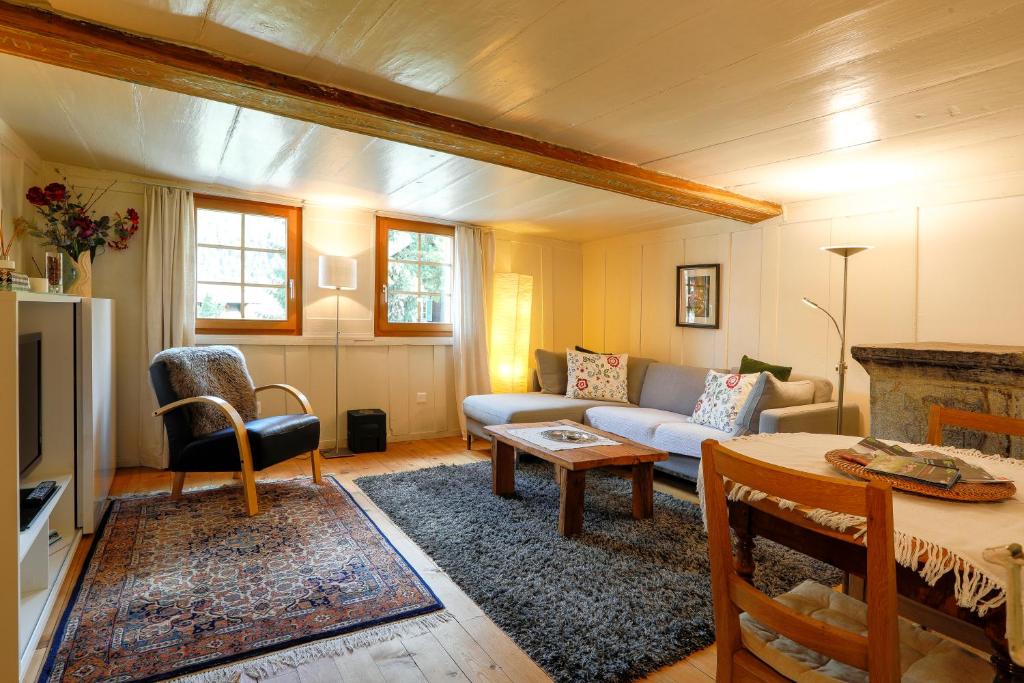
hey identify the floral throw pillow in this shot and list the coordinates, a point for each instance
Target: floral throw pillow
(597, 376)
(723, 398)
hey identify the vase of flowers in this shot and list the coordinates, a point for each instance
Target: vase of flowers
(70, 224)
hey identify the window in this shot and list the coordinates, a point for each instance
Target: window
(248, 267)
(414, 278)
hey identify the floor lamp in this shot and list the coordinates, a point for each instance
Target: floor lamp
(845, 252)
(337, 273)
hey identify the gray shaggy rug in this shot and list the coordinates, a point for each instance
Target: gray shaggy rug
(617, 602)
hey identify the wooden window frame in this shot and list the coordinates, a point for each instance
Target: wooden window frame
(381, 326)
(293, 324)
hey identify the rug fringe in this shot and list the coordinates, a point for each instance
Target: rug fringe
(276, 662)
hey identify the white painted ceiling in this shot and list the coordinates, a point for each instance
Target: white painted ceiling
(781, 99)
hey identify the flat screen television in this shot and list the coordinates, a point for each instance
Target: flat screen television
(30, 400)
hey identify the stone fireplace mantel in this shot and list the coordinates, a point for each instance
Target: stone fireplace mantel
(906, 379)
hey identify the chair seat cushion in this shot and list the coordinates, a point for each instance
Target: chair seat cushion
(271, 439)
(636, 424)
(924, 656)
(499, 409)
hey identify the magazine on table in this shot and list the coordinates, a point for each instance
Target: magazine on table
(914, 469)
(927, 467)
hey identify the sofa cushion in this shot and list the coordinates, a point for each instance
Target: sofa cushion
(597, 376)
(724, 397)
(822, 387)
(672, 387)
(637, 424)
(552, 371)
(685, 438)
(749, 366)
(496, 409)
(771, 393)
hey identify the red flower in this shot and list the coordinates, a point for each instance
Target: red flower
(84, 226)
(133, 216)
(55, 192)
(36, 197)
(582, 384)
(732, 381)
(613, 361)
(696, 408)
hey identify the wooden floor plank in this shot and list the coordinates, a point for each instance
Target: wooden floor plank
(474, 662)
(395, 663)
(433, 660)
(358, 667)
(477, 649)
(319, 671)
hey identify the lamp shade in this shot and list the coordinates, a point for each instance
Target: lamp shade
(337, 272)
(846, 250)
(511, 313)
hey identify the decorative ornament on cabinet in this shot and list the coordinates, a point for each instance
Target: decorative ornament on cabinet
(71, 225)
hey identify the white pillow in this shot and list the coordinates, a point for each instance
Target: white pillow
(597, 376)
(723, 399)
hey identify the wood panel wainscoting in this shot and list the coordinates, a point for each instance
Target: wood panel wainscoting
(469, 648)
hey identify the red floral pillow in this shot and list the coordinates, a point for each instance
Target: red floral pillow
(597, 376)
(723, 398)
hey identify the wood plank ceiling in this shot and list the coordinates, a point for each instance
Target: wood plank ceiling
(771, 98)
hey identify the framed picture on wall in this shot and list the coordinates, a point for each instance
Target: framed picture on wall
(697, 299)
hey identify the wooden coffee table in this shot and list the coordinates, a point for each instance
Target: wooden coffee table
(571, 467)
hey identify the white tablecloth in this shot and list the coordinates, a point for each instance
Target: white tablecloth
(922, 525)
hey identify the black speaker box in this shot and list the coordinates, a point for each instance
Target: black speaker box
(367, 430)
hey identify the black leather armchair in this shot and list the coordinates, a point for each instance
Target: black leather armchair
(244, 447)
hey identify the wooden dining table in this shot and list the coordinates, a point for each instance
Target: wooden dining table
(946, 598)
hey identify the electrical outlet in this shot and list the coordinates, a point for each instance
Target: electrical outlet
(421, 397)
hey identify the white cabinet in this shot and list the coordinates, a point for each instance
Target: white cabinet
(77, 425)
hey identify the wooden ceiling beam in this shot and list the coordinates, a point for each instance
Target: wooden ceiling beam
(56, 39)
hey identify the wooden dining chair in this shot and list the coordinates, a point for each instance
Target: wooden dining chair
(941, 416)
(752, 628)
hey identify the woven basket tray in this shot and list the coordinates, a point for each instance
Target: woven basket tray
(965, 493)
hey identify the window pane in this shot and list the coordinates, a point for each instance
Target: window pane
(436, 278)
(266, 303)
(218, 265)
(403, 245)
(218, 301)
(437, 248)
(435, 309)
(402, 308)
(266, 232)
(402, 277)
(265, 268)
(218, 227)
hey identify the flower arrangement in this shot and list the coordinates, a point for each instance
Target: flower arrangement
(71, 224)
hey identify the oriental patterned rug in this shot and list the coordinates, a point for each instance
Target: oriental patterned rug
(172, 587)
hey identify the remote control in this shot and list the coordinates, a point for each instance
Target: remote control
(42, 490)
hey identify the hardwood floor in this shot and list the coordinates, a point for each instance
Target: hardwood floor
(469, 648)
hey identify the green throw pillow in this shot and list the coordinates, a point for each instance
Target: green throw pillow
(750, 365)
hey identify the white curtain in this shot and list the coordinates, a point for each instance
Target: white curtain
(474, 276)
(168, 298)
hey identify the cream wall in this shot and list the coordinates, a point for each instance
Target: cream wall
(411, 379)
(945, 267)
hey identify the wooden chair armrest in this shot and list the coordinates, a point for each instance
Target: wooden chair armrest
(241, 438)
(237, 424)
(229, 410)
(299, 396)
